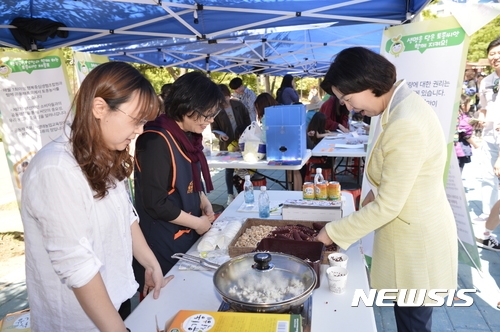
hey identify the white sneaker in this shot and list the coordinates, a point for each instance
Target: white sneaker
(230, 198)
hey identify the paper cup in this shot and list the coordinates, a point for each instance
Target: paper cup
(338, 259)
(337, 279)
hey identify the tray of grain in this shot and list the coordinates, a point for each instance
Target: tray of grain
(247, 241)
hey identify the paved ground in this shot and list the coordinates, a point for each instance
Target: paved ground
(482, 316)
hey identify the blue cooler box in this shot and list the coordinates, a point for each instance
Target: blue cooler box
(285, 132)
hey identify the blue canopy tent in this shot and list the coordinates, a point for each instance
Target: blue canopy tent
(301, 53)
(263, 36)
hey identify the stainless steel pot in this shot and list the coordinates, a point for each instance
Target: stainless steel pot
(261, 282)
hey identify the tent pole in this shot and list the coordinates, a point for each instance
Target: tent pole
(467, 252)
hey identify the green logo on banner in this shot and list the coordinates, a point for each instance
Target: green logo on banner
(422, 41)
(28, 65)
(85, 66)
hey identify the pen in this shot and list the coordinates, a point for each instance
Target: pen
(276, 209)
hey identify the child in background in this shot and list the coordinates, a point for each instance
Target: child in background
(463, 134)
(316, 130)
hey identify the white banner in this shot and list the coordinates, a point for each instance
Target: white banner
(34, 102)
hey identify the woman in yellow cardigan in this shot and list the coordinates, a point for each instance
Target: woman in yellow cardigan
(415, 244)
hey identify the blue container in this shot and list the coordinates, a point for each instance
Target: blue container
(285, 132)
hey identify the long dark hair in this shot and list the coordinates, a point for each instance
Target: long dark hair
(116, 83)
(317, 124)
(192, 94)
(286, 83)
(262, 101)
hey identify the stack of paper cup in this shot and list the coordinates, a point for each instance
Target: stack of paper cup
(337, 279)
(338, 259)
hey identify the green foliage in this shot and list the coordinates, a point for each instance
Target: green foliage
(480, 40)
(157, 76)
(427, 15)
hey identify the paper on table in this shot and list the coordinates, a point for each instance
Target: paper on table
(350, 146)
(274, 207)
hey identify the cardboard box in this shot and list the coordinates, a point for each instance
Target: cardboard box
(311, 212)
(236, 251)
(216, 321)
(17, 321)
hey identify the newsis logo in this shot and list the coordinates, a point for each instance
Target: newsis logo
(413, 297)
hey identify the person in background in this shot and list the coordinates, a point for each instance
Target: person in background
(315, 133)
(261, 102)
(316, 130)
(478, 129)
(170, 197)
(337, 115)
(313, 92)
(407, 206)
(470, 88)
(313, 108)
(245, 95)
(239, 173)
(80, 225)
(489, 118)
(286, 94)
(233, 115)
(463, 134)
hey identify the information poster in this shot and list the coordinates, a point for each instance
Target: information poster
(430, 56)
(85, 62)
(34, 103)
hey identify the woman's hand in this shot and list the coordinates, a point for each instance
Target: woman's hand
(323, 237)
(344, 129)
(204, 225)
(370, 197)
(208, 211)
(153, 280)
(224, 137)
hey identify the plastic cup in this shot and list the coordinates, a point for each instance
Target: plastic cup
(338, 259)
(337, 279)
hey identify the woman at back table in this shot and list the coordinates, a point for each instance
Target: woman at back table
(337, 115)
(170, 199)
(407, 206)
(286, 94)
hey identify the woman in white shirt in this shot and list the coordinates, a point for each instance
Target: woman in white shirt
(81, 228)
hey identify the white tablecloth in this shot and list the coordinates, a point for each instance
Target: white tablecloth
(194, 290)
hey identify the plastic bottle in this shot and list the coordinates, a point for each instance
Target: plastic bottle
(318, 177)
(263, 203)
(248, 188)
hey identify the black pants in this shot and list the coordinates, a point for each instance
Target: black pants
(413, 319)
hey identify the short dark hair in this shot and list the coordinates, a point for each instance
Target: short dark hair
(358, 69)
(192, 94)
(235, 83)
(494, 43)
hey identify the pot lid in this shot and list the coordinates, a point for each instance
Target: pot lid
(267, 278)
